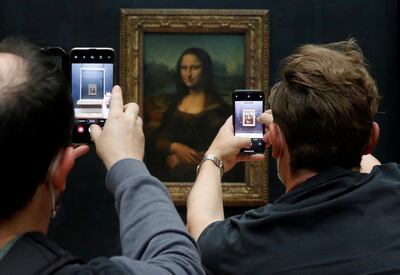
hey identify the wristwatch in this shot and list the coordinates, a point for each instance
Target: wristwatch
(218, 162)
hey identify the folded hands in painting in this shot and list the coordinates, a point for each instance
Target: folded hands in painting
(182, 155)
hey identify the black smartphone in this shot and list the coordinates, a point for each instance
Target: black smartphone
(59, 57)
(92, 79)
(247, 106)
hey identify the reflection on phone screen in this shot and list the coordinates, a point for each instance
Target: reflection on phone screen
(246, 113)
(91, 89)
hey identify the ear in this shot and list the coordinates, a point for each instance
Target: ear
(276, 140)
(373, 138)
(64, 166)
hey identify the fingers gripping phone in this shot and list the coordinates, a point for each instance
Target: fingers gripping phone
(247, 106)
(92, 78)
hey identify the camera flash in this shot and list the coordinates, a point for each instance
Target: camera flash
(81, 129)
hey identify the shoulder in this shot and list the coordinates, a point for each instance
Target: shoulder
(217, 110)
(387, 172)
(236, 227)
(228, 240)
(34, 252)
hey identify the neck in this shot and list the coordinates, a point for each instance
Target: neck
(35, 217)
(297, 178)
(290, 178)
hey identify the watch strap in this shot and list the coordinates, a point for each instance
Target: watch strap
(218, 162)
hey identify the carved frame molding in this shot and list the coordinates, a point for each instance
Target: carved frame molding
(253, 24)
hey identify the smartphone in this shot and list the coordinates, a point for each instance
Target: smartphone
(59, 57)
(247, 106)
(92, 79)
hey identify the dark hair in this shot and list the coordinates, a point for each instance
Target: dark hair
(207, 78)
(325, 105)
(36, 116)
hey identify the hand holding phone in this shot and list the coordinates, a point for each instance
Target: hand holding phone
(122, 135)
(247, 106)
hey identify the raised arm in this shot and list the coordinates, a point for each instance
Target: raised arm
(153, 237)
(204, 205)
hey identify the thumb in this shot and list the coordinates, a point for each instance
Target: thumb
(95, 132)
(266, 118)
(80, 150)
(244, 142)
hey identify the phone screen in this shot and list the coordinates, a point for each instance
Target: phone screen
(248, 105)
(92, 75)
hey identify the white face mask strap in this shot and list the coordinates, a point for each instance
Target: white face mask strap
(281, 139)
(50, 173)
(53, 200)
(280, 155)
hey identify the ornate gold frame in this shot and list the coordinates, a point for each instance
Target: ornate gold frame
(253, 24)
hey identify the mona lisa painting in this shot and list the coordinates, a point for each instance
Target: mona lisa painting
(199, 75)
(181, 67)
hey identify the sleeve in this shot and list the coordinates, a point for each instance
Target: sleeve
(221, 246)
(210, 242)
(154, 239)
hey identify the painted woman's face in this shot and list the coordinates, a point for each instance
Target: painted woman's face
(191, 70)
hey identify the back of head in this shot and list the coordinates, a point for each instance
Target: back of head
(36, 116)
(325, 105)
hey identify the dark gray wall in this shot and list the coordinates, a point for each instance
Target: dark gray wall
(87, 224)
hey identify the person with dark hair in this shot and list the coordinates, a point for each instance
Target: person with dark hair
(192, 119)
(36, 118)
(338, 215)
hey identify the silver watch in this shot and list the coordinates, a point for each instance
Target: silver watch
(218, 162)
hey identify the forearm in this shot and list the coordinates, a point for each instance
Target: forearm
(204, 204)
(151, 229)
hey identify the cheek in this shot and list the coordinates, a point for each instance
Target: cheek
(197, 73)
(183, 73)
